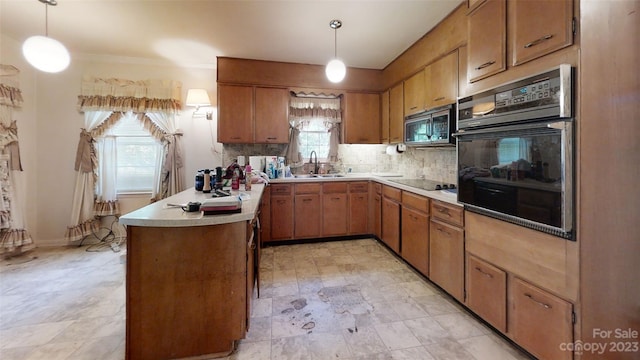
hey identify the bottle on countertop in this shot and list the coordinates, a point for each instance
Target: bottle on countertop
(235, 179)
(206, 187)
(247, 178)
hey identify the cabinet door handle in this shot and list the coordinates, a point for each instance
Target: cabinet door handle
(271, 138)
(488, 63)
(486, 274)
(538, 41)
(307, 200)
(546, 306)
(439, 98)
(413, 108)
(235, 137)
(280, 202)
(443, 231)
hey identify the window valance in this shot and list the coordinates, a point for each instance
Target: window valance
(122, 95)
(303, 108)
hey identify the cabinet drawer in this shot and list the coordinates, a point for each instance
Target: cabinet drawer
(447, 212)
(377, 188)
(539, 321)
(487, 292)
(392, 193)
(281, 189)
(359, 186)
(334, 187)
(417, 202)
(308, 188)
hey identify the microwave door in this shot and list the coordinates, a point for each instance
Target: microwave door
(440, 127)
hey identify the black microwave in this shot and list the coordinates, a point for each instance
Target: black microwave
(431, 128)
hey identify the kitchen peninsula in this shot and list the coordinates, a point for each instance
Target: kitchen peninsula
(189, 277)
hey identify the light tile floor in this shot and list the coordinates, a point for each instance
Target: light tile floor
(335, 300)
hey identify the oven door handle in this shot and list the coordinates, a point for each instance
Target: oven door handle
(554, 125)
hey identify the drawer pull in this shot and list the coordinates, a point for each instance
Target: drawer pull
(486, 274)
(439, 98)
(413, 108)
(546, 306)
(307, 200)
(538, 41)
(280, 202)
(488, 63)
(443, 210)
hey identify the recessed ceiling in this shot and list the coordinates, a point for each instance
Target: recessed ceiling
(193, 33)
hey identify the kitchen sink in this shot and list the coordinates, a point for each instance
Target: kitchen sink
(330, 175)
(307, 176)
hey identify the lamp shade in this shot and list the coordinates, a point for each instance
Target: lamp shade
(46, 54)
(197, 97)
(335, 71)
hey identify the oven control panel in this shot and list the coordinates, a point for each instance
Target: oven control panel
(526, 94)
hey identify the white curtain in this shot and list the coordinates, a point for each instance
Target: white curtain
(83, 221)
(14, 236)
(107, 199)
(171, 177)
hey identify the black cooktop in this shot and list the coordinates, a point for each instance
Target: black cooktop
(425, 184)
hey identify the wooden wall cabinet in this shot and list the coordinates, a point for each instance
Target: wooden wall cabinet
(335, 209)
(415, 231)
(391, 198)
(540, 321)
(446, 248)
(307, 223)
(539, 28)
(396, 114)
(361, 118)
(358, 208)
(441, 82)
(414, 94)
(272, 116)
(487, 292)
(486, 43)
(249, 114)
(235, 114)
(281, 212)
(384, 117)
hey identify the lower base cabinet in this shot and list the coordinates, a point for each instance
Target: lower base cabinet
(446, 257)
(540, 322)
(415, 239)
(487, 292)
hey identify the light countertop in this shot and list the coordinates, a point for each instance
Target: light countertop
(161, 214)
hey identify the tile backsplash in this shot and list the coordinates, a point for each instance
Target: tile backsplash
(438, 163)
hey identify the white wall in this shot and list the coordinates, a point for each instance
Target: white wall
(49, 126)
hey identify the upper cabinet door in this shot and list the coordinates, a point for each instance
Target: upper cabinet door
(414, 94)
(362, 118)
(539, 28)
(235, 114)
(272, 115)
(441, 82)
(396, 114)
(486, 54)
(384, 117)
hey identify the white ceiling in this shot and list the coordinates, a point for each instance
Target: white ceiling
(194, 32)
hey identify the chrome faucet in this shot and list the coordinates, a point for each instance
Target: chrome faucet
(315, 167)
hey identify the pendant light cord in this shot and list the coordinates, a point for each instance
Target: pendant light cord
(46, 19)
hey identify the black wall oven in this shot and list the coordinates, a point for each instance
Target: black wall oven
(515, 152)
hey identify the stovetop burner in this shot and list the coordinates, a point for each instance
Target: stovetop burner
(425, 184)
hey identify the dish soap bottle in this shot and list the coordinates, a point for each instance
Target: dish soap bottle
(235, 179)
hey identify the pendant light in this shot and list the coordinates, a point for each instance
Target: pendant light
(335, 70)
(45, 53)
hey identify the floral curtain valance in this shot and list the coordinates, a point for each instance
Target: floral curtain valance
(10, 93)
(126, 95)
(304, 108)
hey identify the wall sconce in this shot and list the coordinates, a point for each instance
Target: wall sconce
(198, 98)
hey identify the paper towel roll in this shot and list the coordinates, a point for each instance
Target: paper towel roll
(391, 150)
(241, 160)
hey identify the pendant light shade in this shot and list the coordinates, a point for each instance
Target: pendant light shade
(45, 53)
(335, 70)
